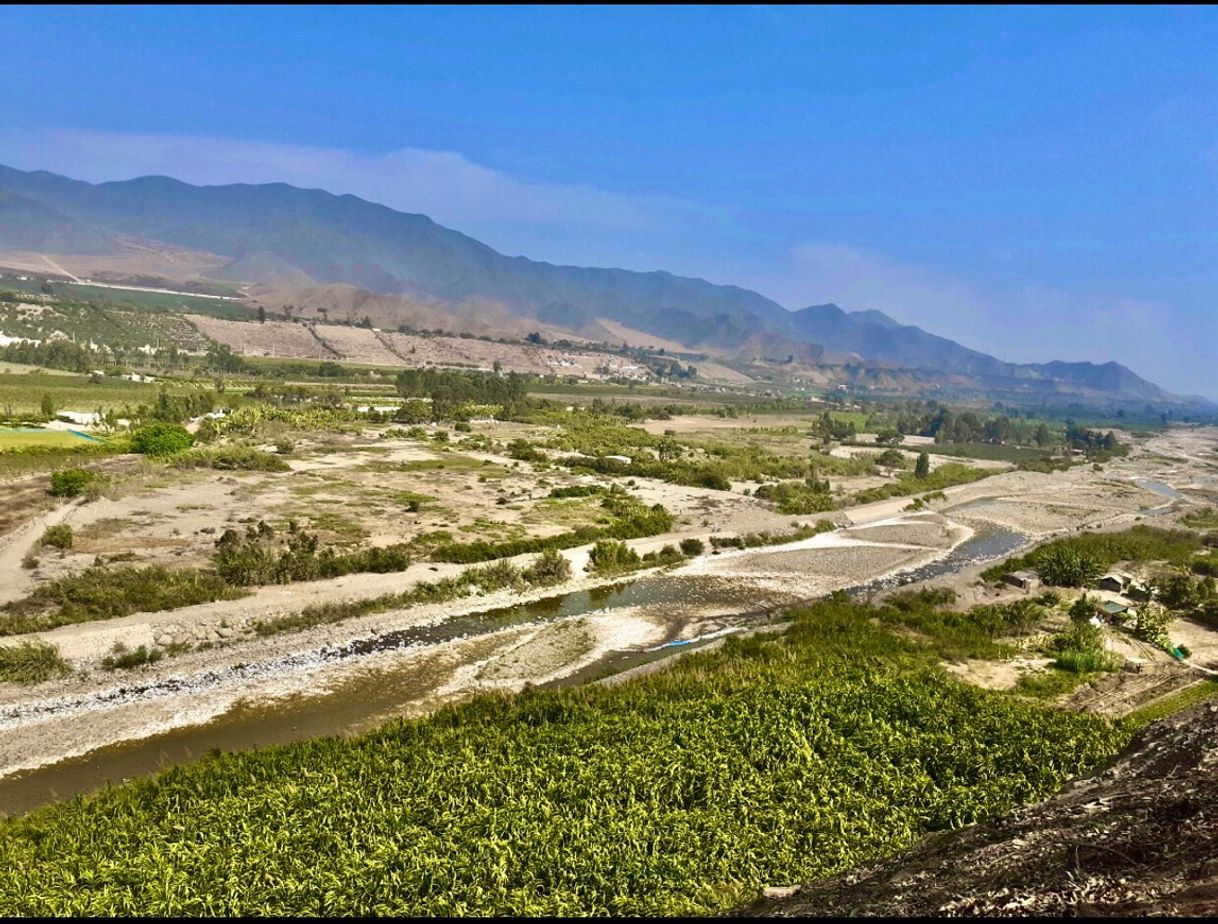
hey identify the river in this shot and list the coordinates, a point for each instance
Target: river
(366, 681)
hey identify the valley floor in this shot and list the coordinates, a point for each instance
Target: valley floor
(351, 675)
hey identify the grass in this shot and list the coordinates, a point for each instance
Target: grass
(1051, 682)
(1206, 518)
(1177, 702)
(21, 438)
(945, 476)
(31, 662)
(768, 761)
(108, 593)
(229, 458)
(22, 394)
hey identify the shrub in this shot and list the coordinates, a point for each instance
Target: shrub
(525, 451)
(668, 555)
(161, 439)
(608, 556)
(106, 593)
(550, 567)
(1063, 566)
(691, 547)
(70, 482)
(58, 536)
(121, 657)
(231, 458)
(31, 662)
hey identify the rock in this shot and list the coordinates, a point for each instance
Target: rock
(224, 632)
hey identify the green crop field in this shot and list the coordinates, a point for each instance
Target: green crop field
(135, 298)
(768, 761)
(22, 394)
(25, 438)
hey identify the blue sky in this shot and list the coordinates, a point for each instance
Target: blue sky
(1038, 183)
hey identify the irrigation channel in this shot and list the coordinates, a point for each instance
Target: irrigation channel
(350, 688)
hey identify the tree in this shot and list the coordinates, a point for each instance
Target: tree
(261, 315)
(48, 405)
(922, 468)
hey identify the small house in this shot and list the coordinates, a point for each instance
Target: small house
(1024, 580)
(1114, 611)
(1114, 581)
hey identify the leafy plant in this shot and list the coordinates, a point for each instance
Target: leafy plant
(71, 482)
(31, 662)
(58, 536)
(161, 439)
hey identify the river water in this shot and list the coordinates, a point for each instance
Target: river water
(373, 679)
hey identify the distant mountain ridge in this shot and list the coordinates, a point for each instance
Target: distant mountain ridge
(286, 236)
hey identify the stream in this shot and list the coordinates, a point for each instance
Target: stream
(366, 681)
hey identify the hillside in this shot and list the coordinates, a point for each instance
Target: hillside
(309, 248)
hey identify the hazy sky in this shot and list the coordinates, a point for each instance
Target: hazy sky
(1038, 183)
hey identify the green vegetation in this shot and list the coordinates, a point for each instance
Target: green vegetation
(691, 547)
(625, 518)
(71, 482)
(1080, 650)
(611, 557)
(684, 792)
(107, 593)
(123, 658)
(798, 497)
(25, 438)
(230, 458)
(1199, 693)
(31, 662)
(1075, 558)
(545, 570)
(58, 536)
(765, 537)
(259, 556)
(161, 439)
(976, 633)
(1206, 518)
(945, 476)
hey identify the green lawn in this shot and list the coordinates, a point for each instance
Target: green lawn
(24, 439)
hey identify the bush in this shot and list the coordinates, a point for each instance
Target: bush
(668, 555)
(691, 547)
(121, 657)
(550, 567)
(107, 593)
(31, 662)
(161, 439)
(58, 536)
(70, 482)
(523, 450)
(608, 556)
(231, 458)
(1063, 566)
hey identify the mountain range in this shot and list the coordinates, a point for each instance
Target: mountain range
(306, 246)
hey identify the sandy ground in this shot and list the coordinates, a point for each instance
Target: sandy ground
(52, 720)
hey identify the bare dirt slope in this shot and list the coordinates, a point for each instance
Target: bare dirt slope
(1139, 838)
